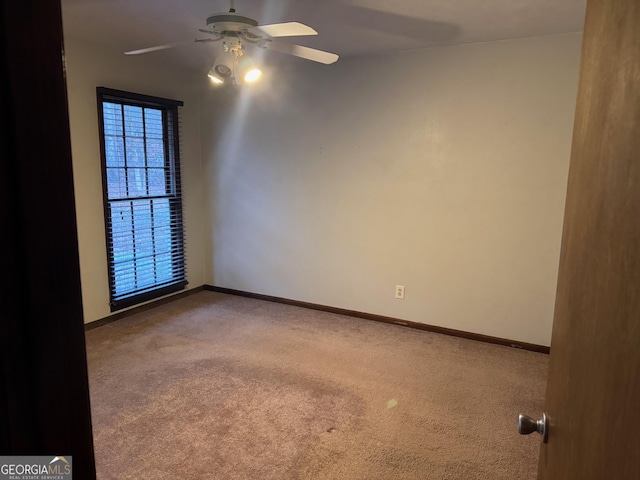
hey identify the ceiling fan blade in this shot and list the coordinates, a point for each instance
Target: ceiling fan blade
(153, 49)
(288, 29)
(307, 53)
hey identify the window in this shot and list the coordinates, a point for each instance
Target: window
(142, 196)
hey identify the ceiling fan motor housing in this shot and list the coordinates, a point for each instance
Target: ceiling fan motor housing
(230, 22)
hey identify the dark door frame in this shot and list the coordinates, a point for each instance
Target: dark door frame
(44, 392)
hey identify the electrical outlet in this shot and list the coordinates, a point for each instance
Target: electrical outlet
(400, 292)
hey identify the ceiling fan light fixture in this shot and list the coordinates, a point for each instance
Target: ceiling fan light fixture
(247, 69)
(222, 69)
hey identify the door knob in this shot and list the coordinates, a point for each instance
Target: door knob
(527, 425)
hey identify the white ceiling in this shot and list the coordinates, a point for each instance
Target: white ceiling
(345, 27)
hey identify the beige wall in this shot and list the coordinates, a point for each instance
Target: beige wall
(90, 66)
(443, 170)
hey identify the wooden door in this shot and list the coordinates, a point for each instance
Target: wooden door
(593, 392)
(44, 390)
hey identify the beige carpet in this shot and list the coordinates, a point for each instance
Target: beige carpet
(214, 386)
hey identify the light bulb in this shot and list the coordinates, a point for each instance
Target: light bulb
(215, 80)
(252, 75)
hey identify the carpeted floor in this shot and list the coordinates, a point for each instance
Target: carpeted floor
(214, 386)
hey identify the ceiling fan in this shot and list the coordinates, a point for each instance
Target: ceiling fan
(236, 32)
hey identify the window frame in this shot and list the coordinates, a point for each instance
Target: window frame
(172, 156)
